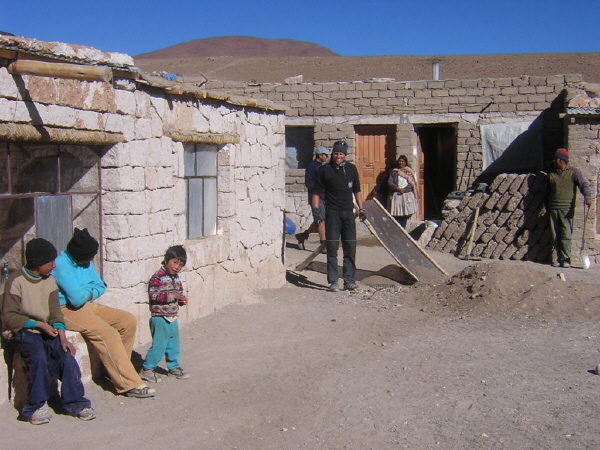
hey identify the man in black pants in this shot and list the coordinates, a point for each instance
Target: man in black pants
(340, 180)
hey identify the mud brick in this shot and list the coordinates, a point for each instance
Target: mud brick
(516, 184)
(452, 215)
(491, 203)
(477, 250)
(516, 219)
(479, 230)
(489, 218)
(528, 198)
(452, 226)
(489, 233)
(489, 249)
(508, 180)
(477, 199)
(523, 239)
(464, 215)
(450, 246)
(520, 254)
(498, 250)
(501, 234)
(532, 220)
(514, 202)
(510, 250)
(497, 182)
(502, 218)
(537, 202)
(460, 231)
(511, 235)
(502, 201)
(439, 231)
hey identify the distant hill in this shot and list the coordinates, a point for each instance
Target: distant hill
(240, 58)
(239, 46)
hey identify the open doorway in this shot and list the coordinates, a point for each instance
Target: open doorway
(437, 167)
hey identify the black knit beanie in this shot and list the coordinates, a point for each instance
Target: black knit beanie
(82, 246)
(39, 252)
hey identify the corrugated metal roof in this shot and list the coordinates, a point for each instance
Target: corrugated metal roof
(583, 111)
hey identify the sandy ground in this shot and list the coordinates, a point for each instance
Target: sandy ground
(498, 357)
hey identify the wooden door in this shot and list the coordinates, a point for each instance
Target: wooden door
(375, 145)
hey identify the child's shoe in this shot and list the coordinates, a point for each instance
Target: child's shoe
(150, 375)
(87, 414)
(179, 373)
(40, 416)
(142, 391)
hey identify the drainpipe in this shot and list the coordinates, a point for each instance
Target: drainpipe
(436, 70)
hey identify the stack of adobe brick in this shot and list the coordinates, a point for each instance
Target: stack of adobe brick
(508, 226)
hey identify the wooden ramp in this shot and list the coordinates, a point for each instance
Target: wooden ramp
(403, 248)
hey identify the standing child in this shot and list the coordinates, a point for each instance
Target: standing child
(33, 321)
(165, 293)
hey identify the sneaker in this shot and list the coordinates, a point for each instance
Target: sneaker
(140, 392)
(350, 286)
(40, 416)
(566, 265)
(555, 264)
(333, 287)
(150, 375)
(179, 373)
(87, 414)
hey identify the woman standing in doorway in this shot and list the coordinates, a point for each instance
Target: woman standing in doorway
(403, 197)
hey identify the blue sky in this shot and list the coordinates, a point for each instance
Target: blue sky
(347, 27)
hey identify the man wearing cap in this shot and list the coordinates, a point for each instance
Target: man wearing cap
(340, 180)
(111, 331)
(561, 198)
(310, 178)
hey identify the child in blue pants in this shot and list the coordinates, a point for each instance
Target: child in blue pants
(165, 293)
(33, 322)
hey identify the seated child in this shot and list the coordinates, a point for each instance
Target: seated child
(33, 322)
(165, 293)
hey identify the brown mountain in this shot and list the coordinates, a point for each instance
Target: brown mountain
(239, 46)
(265, 61)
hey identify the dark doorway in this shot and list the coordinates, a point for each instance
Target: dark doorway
(437, 167)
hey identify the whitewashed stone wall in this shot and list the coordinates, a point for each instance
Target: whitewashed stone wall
(143, 190)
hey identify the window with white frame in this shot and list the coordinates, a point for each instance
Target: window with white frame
(200, 172)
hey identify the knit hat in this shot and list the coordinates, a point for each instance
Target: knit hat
(340, 147)
(322, 151)
(82, 246)
(39, 252)
(562, 153)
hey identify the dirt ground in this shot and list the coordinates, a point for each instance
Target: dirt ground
(497, 357)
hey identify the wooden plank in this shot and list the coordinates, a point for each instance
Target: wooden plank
(304, 264)
(404, 249)
(60, 70)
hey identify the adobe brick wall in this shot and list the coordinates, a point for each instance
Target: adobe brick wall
(335, 108)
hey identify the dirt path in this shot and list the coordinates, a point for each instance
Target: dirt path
(397, 367)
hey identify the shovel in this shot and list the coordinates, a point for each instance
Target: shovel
(584, 259)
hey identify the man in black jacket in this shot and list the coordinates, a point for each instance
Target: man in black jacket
(340, 180)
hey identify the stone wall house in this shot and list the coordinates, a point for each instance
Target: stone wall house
(87, 140)
(455, 133)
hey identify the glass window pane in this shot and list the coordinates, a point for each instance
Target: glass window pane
(189, 160)
(34, 168)
(206, 161)
(210, 206)
(194, 207)
(301, 141)
(54, 220)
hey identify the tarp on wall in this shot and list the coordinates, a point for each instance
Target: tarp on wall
(511, 147)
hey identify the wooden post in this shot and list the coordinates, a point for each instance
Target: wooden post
(60, 70)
